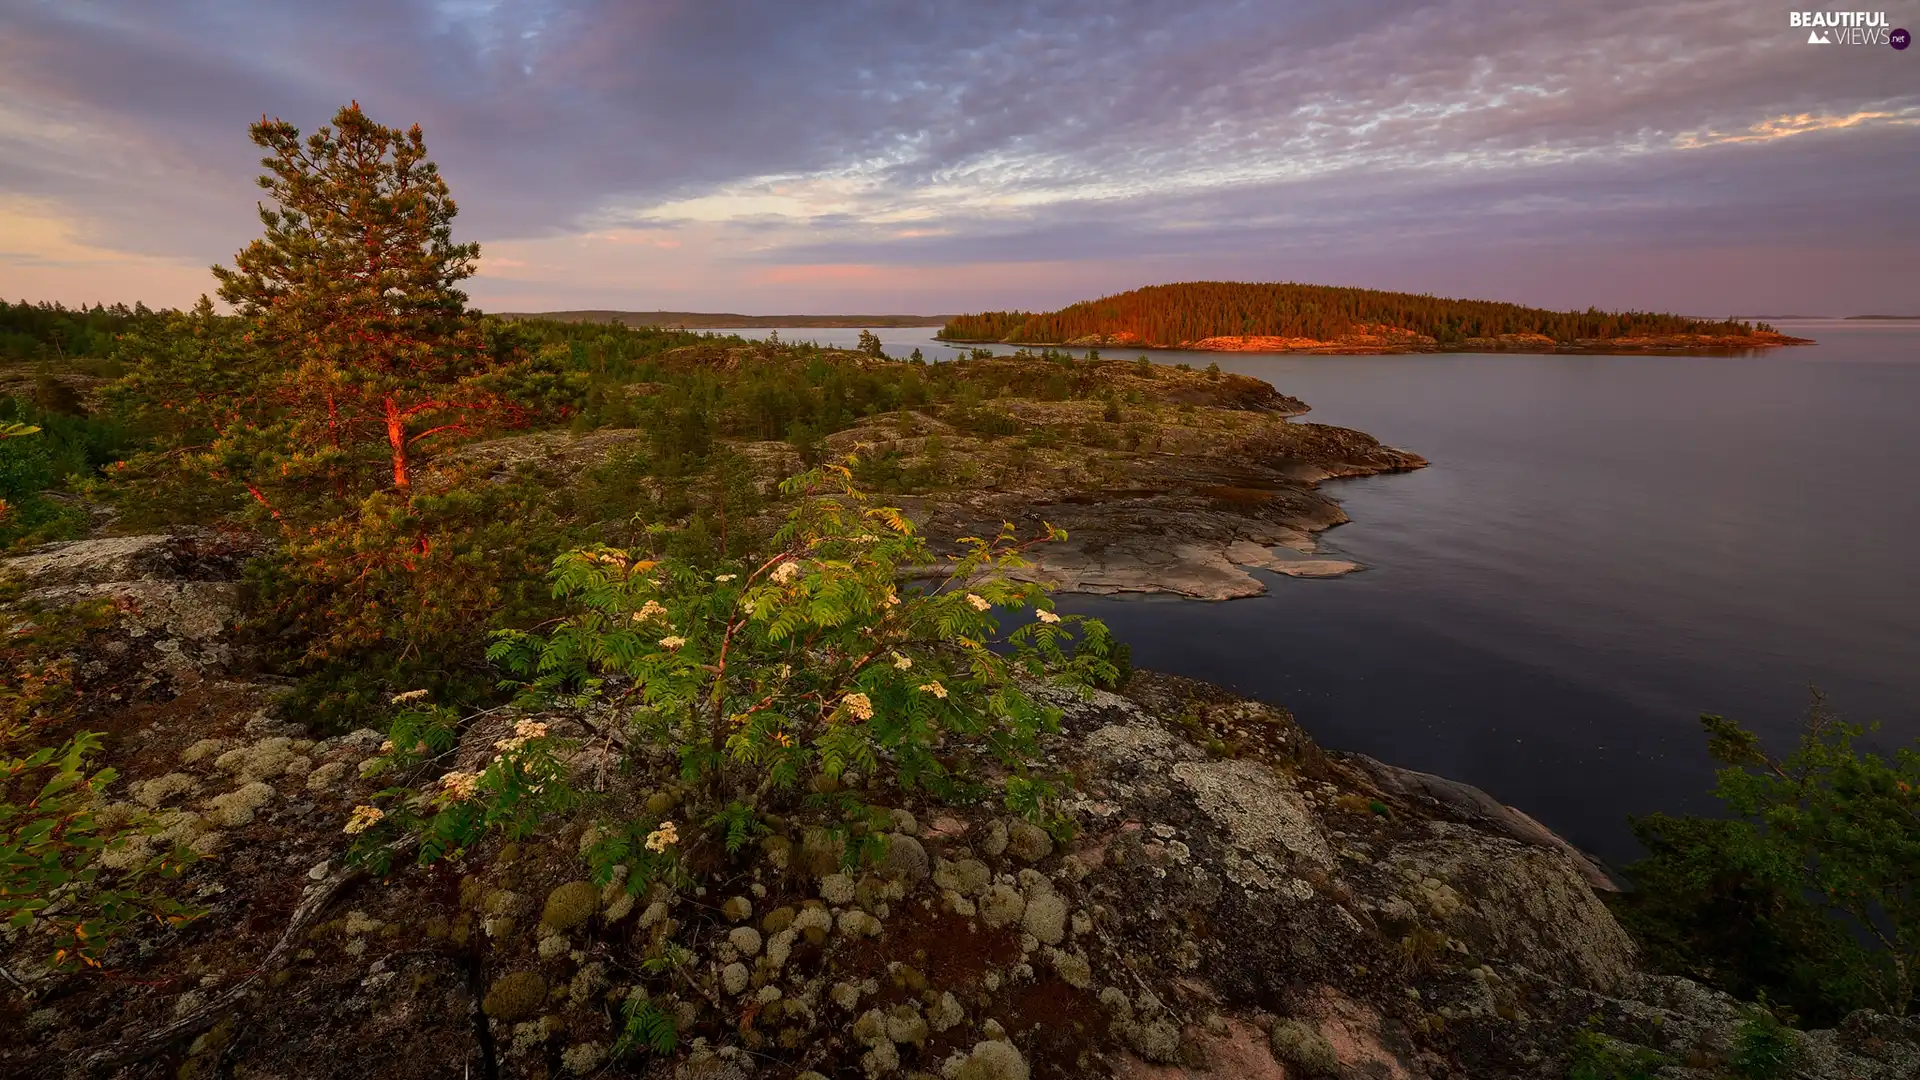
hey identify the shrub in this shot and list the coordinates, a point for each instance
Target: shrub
(1764, 1046)
(1809, 892)
(777, 677)
(1597, 1057)
(69, 871)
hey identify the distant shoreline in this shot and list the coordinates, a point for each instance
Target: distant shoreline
(723, 320)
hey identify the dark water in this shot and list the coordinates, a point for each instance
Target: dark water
(1603, 548)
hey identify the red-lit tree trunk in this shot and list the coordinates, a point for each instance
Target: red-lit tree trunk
(397, 439)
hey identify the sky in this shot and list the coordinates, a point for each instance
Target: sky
(783, 156)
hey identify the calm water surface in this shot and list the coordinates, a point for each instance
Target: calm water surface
(1603, 548)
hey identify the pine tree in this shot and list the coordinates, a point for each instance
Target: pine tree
(352, 290)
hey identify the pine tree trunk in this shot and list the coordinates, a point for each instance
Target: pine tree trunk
(397, 438)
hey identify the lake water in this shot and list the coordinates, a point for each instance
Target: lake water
(1603, 548)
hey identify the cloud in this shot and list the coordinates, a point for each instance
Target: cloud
(730, 153)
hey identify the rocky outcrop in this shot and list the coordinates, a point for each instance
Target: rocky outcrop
(1192, 502)
(1224, 899)
(167, 606)
(1452, 800)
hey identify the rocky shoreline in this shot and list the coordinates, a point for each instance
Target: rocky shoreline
(1180, 485)
(1234, 903)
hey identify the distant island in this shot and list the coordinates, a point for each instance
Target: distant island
(1887, 318)
(1226, 316)
(707, 320)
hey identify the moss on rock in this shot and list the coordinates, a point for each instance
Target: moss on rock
(515, 996)
(570, 905)
(777, 920)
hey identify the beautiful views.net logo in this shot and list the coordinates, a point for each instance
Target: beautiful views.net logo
(1848, 28)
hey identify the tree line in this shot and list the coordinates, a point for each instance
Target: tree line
(1171, 315)
(51, 331)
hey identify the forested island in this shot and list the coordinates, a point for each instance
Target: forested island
(1227, 316)
(394, 690)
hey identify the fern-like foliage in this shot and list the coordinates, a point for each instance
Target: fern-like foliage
(645, 1027)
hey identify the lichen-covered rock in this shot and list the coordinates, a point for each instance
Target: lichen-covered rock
(837, 889)
(152, 793)
(515, 996)
(780, 947)
(581, 1059)
(1028, 842)
(879, 1060)
(1527, 905)
(570, 905)
(1267, 823)
(906, 858)
(263, 760)
(813, 924)
(855, 923)
(946, 1012)
(1073, 970)
(237, 808)
(1303, 1048)
(203, 750)
(327, 776)
(1157, 1040)
(1045, 916)
(994, 841)
(991, 1060)
(746, 939)
(1002, 906)
(968, 877)
(906, 1025)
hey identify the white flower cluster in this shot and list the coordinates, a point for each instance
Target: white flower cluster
(523, 731)
(364, 818)
(664, 837)
(459, 786)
